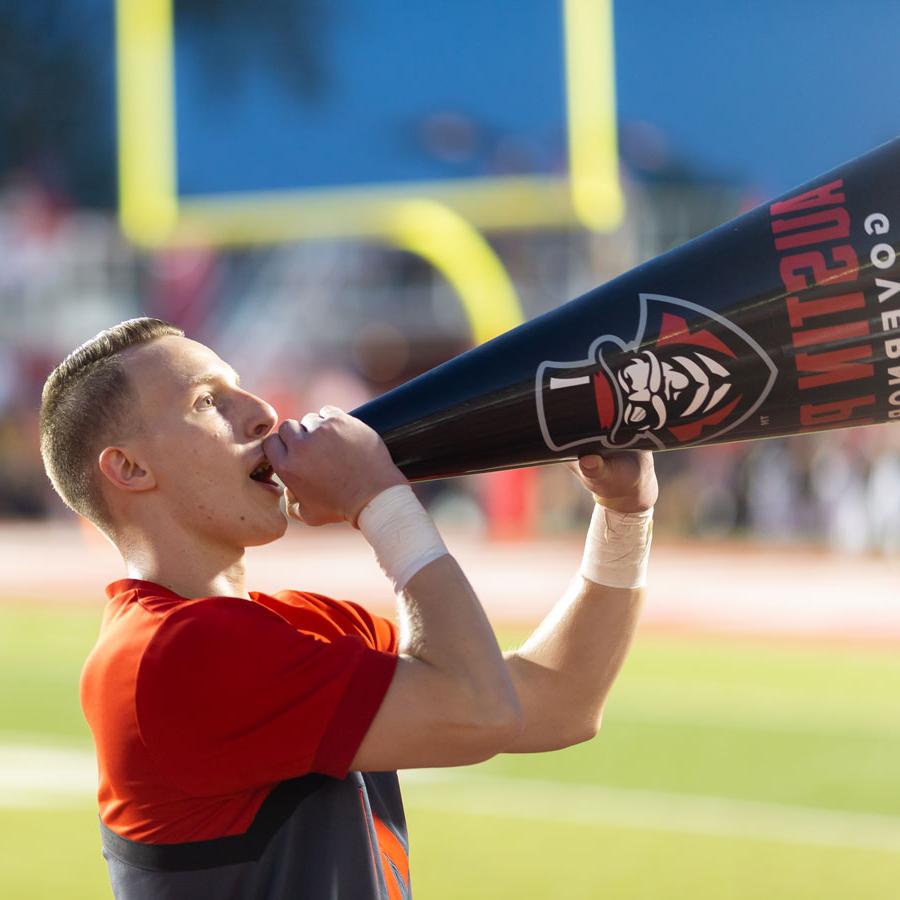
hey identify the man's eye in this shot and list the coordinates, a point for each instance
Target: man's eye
(207, 401)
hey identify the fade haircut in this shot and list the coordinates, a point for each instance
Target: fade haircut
(87, 404)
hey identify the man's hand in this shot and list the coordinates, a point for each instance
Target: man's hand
(332, 465)
(624, 481)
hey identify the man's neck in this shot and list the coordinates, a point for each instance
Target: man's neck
(186, 567)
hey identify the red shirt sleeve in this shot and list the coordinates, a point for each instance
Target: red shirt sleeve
(335, 616)
(232, 696)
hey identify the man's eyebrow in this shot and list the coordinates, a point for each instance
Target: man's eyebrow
(209, 377)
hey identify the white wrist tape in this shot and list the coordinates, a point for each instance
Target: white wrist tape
(617, 548)
(401, 533)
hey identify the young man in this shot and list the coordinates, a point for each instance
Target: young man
(248, 744)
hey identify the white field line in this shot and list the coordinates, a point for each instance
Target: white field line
(46, 776)
(590, 804)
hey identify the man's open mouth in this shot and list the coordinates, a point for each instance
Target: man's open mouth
(264, 473)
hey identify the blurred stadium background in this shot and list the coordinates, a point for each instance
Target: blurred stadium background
(339, 195)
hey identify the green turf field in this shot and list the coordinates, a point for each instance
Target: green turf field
(724, 769)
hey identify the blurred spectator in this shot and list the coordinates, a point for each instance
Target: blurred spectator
(777, 493)
(839, 480)
(883, 502)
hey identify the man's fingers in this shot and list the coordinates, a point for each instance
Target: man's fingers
(289, 428)
(311, 421)
(613, 473)
(591, 465)
(624, 466)
(274, 448)
(623, 480)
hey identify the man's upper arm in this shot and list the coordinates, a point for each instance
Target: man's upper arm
(424, 721)
(421, 721)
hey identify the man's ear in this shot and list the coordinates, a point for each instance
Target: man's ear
(125, 471)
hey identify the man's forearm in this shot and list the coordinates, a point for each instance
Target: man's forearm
(444, 632)
(443, 624)
(564, 671)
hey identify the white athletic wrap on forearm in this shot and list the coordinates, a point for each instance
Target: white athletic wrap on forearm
(617, 548)
(401, 533)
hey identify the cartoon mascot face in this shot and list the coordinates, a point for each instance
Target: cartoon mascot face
(670, 385)
(655, 389)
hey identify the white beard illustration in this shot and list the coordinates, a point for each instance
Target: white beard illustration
(655, 390)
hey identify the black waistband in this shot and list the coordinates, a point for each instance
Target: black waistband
(223, 851)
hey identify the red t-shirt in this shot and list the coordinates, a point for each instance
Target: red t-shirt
(199, 707)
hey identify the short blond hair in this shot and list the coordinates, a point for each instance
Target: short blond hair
(86, 403)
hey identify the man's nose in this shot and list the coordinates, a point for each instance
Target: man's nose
(263, 419)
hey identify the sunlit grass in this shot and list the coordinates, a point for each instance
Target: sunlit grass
(807, 726)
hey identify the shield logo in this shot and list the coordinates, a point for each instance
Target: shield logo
(687, 376)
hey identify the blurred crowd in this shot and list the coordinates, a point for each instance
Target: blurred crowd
(840, 489)
(340, 323)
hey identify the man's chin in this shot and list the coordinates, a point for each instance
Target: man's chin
(267, 535)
